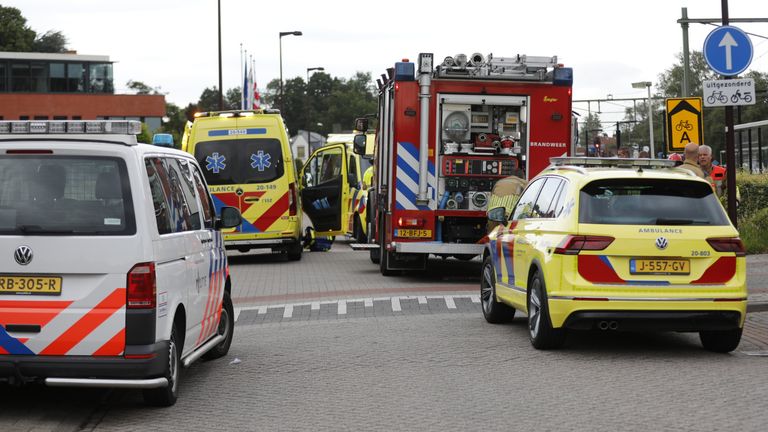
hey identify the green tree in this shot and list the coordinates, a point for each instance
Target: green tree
(142, 89)
(209, 99)
(233, 98)
(50, 42)
(333, 102)
(15, 35)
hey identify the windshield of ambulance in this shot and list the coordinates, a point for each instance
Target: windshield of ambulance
(51, 195)
(240, 161)
(649, 202)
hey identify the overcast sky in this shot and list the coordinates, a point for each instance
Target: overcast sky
(173, 43)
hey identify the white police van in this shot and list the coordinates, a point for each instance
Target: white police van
(112, 267)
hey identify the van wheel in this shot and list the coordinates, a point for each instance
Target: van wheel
(226, 328)
(294, 252)
(721, 341)
(543, 335)
(494, 312)
(166, 396)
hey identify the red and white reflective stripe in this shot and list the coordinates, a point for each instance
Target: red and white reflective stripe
(86, 324)
(78, 310)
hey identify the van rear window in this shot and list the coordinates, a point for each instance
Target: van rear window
(240, 161)
(650, 202)
(60, 195)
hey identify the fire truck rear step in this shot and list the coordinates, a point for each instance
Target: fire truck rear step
(363, 246)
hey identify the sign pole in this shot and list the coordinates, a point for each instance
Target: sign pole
(730, 151)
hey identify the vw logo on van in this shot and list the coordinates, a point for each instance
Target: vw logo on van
(23, 255)
(661, 243)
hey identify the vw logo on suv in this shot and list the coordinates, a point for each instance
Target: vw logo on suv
(23, 255)
(661, 243)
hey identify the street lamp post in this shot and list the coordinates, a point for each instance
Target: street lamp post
(309, 111)
(293, 33)
(647, 84)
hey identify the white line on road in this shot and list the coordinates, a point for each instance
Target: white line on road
(315, 306)
(288, 311)
(449, 302)
(342, 307)
(475, 298)
(422, 299)
(368, 302)
(396, 304)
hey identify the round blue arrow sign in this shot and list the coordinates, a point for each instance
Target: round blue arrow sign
(728, 50)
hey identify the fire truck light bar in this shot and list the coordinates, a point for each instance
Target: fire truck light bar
(611, 162)
(29, 127)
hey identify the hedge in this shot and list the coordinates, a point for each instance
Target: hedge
(753, 211)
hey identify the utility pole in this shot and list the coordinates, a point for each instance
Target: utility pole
(730, 151)
(221, 89)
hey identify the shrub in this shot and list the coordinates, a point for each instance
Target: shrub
(754, 232)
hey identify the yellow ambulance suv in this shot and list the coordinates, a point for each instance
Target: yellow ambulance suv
(616, 244)
(248, 164)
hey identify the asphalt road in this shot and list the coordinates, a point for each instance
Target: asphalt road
(330, 344)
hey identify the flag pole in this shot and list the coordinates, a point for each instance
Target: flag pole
(241, 68)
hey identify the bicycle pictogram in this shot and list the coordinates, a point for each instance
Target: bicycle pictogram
(746, 97)
(683, 124)
(717, 96)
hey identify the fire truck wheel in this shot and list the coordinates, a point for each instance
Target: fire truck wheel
(375, 255)
(384, 257)
(226, 328)
(166, 396)
(493, 311)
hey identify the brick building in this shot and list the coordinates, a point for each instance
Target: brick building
(68, 86)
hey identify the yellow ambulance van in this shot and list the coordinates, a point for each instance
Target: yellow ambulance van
(248, 164)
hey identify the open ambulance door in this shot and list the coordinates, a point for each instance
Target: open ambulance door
(324, 190)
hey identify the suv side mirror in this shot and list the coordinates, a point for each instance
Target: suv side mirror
(230, 218)
(361, 124)
(497, 214)
(359, 144)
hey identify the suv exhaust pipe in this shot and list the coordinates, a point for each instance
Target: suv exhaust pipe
(608, 325)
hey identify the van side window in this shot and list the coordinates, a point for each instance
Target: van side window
(188, 190)
(181, 215)
(158, 185)
(205, 199)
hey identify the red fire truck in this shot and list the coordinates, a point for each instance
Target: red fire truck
(445, 135)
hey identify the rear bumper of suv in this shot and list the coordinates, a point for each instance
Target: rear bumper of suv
(91, 371)
(649, 314)
(682, 321)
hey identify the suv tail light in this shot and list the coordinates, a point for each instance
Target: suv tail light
(141, 286)
(572, 245)
(292, 198)
(728, 244)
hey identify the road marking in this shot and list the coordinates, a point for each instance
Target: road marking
(315, 306)
(342, 307)
(475, 298)
(368, 302)
(449, 302)
(396, 304)
(262, 310)
(288, 311)
(422, 299)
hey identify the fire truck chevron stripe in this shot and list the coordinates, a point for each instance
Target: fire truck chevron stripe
(86, 324)
(407, 178)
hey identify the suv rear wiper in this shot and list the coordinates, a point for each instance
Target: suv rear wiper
(670, 221)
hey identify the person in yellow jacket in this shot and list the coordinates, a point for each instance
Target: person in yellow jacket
(368, 177)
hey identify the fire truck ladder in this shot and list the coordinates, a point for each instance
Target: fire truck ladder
(519, 67)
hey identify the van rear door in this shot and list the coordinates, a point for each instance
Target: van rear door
(67, 242)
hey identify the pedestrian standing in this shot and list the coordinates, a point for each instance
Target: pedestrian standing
(714, 174)
(691, 162)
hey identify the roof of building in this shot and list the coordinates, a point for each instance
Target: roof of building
(68, 56)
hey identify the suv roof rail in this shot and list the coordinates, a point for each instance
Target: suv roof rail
(610, 162)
